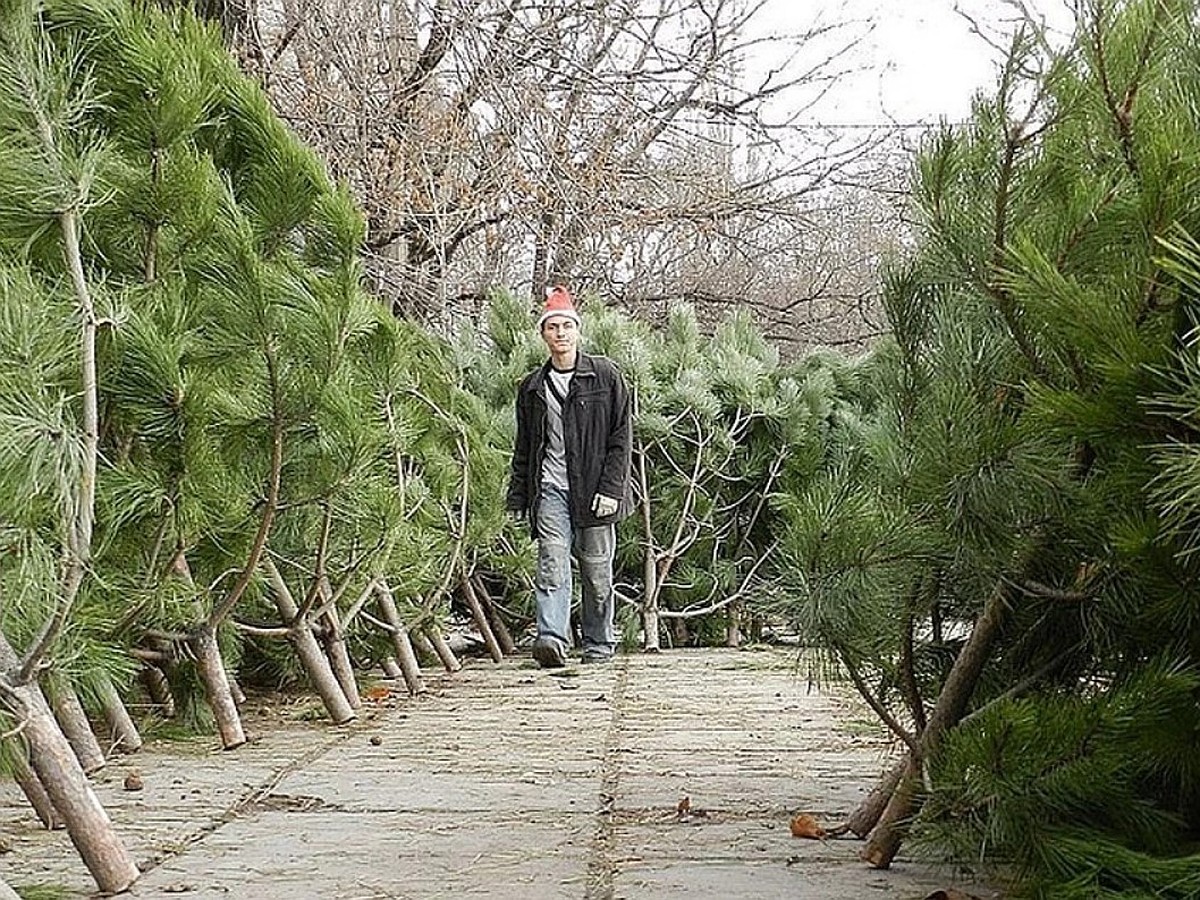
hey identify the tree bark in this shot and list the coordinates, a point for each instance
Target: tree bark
(335, 649)
(681, 634)
(124, 732)
(887, 836)
(441, 646)
(391, 668)
(866, 815)
(503, 636)
(158, 689)
(66, 784)
(650, 624)
(312, 657)
(235, 689)
(410, 669)
(73, 721)
(36, 794)
(650, 627)
(211, 669)
(733, 626)
(425, 652)
(481, 622)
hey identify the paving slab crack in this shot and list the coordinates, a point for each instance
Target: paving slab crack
(257, 796)
(601, 865)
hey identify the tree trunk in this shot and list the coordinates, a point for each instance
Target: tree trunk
(124, 733)
(335, 650)
(312, 657)
(410, 669)
(66, 784)
(391, 668)
(680, 633)
(866, 814)
(35, 793)
(235, 689)
(75, 725)
(650, 639)
(425, 652)
(158, 689)
(503, 636)
(733, 626)
(887, 836)
(441, 646)
(211, 669)
(480, 618)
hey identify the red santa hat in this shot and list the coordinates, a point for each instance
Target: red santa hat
(558, 303)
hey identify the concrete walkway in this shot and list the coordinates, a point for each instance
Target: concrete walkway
(506, 781)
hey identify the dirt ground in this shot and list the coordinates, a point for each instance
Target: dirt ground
(654, 776)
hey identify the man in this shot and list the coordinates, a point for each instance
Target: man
(570, 477)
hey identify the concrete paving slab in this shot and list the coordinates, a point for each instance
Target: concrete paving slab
(506, 781)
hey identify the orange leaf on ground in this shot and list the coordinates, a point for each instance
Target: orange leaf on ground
(805, 826)
(378, 692)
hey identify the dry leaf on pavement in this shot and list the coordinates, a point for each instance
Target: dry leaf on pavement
(805, 826)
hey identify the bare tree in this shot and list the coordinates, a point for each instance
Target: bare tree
(619, 145)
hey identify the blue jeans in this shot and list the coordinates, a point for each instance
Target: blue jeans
(593, 550)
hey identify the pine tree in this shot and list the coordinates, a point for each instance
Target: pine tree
(986, 555)
(52, 165)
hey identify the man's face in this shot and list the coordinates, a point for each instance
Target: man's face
(561, 334)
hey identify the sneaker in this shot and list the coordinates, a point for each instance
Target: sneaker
(589, 658)
(548, 653)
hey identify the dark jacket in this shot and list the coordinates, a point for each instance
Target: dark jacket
(597, 435)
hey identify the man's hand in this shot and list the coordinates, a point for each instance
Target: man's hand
(604, 506)
(515, 515)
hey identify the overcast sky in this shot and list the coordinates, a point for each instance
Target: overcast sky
(918, 59)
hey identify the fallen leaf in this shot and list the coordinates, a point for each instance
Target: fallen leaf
(684, 805)
(378, 692)
(805, 826)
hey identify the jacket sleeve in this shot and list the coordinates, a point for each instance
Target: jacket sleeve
(518, 480)
(516, 499)
(618, 451)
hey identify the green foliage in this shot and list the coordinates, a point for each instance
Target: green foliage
(242, 365)
(1028, 429)
(1057, 787)
(719, 426)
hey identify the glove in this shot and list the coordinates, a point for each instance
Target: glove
(604, 506)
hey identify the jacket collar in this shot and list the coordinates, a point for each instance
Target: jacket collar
(585, 367)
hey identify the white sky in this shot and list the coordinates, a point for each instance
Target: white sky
(919, 59)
